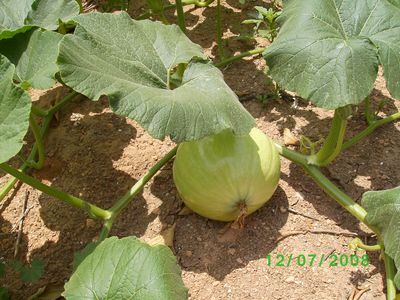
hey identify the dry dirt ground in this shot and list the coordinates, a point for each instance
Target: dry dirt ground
(98, 155)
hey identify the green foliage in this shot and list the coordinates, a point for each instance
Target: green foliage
(4, 295)
(34, 54)
(81, 255)
(32, 273)
(22, 15)
(15, 106)
(48, 13)
(127, 269)
(103, 58)
(383, 209)
(264, 21)
(113, 5)
(329, 51)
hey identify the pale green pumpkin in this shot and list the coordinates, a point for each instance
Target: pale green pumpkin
(220, 175)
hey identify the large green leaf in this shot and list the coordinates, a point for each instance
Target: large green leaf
(34, 54)
(129, 61)
(12, 16)
(383, 212)
(47, 13)
(329, 51)
(20, 15)
(127, 269)
(15, 106)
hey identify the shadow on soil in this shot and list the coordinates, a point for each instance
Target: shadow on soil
(203, 245)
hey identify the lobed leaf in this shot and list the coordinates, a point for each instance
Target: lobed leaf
(34, 54)
(329, 51)
(383, 212)
(18, 16)
(127, 269)
(48, 13)
(15, 107)
(130, 61)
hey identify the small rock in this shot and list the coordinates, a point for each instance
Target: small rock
(239, 260)
(290, 279)
(231, 251)
(188, 253)
(283, 209)
(289, 138)
(90, 223)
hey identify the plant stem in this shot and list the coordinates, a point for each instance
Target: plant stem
(181, 16)
(72, 200)
(357, 243)
(390, 273)
(374, 125)
(219, 32)
(38, 111)
(46, 123)
(239, 56)
(125, 199)
(331, 189)
(39, 145)
(60, 104)
(333, 143)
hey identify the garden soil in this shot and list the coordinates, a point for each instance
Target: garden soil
(97, 155)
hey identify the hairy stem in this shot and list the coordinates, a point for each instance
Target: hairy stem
(374, 125)
(333, 143)
(72, 200)
(125, 199)
(39, 145)
(239, 56)
(181, 16)
(390, 273)
(219, 32)
(357, 243)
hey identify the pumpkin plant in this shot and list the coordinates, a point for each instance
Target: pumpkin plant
(328, 52)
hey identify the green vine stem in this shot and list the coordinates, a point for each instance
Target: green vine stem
(46, 124)
(333, 143)
(239, 56)
(92, 209)
(357, 243)
(125, 199)
(181, 15)
(220, 45)
(39, 145)
(374, 125)
(390, 273)
(331, 189)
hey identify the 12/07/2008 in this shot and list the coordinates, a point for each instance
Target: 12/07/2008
(312, 259)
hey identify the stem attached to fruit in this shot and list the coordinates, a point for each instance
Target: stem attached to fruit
(74, 201)
(125, 199)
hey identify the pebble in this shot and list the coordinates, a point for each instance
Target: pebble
(231, 251)
(188, 253)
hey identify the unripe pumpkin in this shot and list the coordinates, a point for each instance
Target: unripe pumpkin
(223, 175)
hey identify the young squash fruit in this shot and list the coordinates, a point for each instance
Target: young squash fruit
(226, 177)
